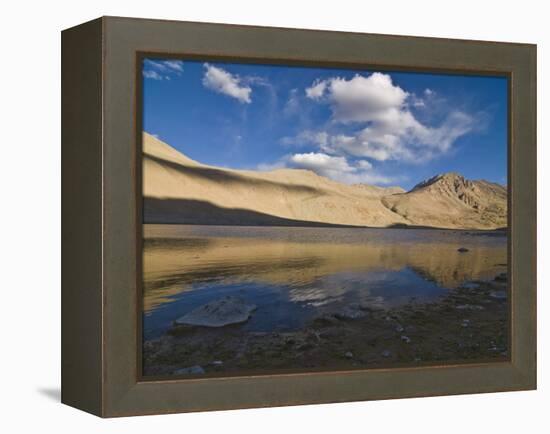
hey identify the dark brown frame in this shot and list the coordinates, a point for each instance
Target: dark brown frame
(100, 179)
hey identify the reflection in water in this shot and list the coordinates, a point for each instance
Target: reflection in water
(293, 273)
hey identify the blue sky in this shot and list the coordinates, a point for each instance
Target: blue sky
(377, 127)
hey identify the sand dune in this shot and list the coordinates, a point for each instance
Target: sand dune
(180, 190)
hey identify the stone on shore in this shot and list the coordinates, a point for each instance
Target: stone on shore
(469, 307)
(463, 250)
(350, 312)
(502, 277)
(218, 313)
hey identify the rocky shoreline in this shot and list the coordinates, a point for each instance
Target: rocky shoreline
(469, 324)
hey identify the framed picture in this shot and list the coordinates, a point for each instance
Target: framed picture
(261, 217)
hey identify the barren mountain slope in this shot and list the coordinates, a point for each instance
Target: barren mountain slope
(180, 190)
(450, 200)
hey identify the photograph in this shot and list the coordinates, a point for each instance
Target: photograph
(282, 217)
(306, 218)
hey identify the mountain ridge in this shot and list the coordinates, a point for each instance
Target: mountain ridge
(180, 190)
(458, 201)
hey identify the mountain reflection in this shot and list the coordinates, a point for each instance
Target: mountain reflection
(316, 266)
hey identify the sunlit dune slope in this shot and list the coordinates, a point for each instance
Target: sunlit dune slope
(180, 190)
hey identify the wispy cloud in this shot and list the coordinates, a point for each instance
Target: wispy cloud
(307, 137)
(154, 75)
(162, 69)
(221, 81)
(174, 65)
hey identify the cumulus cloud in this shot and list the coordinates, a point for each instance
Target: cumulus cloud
(337, 168)
(385, 126)
(317, 89)
(162, 69)
(320, 163)
(363, 99)
(221, 81)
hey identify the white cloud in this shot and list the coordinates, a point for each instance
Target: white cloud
(317, 89)
(416, 101)
(388, 129)
(455, 125)
(175, 65)
(162, 69)
(307, 137)
(320, 163)
(364, 99)
(154, 75)
(364, 164)
(402, 138)
(337, 168)
(221, 81)
(334, 167)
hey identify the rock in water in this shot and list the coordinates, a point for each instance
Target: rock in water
(463, 250)
(219, 313)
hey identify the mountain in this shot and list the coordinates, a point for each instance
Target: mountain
(177, 189)
(450, 200)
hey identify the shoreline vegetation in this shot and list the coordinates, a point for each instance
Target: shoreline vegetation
(469, 323)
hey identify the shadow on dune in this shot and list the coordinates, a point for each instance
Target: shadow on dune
(227, 177)
(197, 212)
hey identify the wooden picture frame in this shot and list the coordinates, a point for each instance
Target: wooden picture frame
(101, 217)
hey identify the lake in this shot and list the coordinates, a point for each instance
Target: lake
(294, 274)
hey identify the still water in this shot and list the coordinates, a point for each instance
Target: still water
(295, 274)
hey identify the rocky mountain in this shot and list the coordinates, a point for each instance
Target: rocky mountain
(179, 190)
(450, 200)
